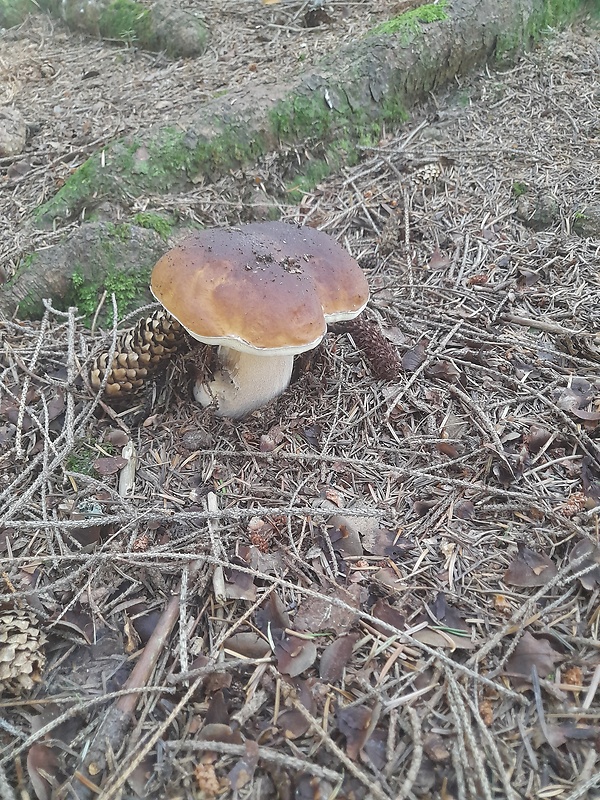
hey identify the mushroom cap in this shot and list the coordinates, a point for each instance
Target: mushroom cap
(261, 287)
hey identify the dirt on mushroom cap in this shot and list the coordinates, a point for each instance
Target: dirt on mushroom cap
(263, 286)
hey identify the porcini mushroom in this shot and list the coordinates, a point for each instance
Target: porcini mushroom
(262, 293)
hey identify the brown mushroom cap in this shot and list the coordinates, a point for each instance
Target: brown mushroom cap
(260, 287)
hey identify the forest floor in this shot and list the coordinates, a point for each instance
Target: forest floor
(386, 583)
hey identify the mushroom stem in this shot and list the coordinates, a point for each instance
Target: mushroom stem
(244, 382)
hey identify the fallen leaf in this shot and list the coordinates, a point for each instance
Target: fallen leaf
(354, 723)
(109, 465)
(292, 721)
(387, 577)
(464, 509)
(531, 652)
(343, 536)
(294, 655)
(335, 657)
(248, 644)
(116, 437)
(217, 712)
(243, 771)
(41, 761)
(383, 611)
(413, 358)
(435, 747)
(272, 616)
(444, 371)
(448, 632)
(591, 579)
(529, 568)
(383, 542)
(317, 614)
(438, 260)
(239, 585)
(536, 438)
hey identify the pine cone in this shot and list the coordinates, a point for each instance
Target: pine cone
(22, 656)
(140, 352)
(390, 234)
(425, 175)
(380, 353)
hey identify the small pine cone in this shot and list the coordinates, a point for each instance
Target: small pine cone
(368, 260)
(140, 352)
(380, 353)
(425, 175)
(574, 504)
(22, 656)
(390, 233)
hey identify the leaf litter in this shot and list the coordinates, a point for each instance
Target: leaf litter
(385, 582)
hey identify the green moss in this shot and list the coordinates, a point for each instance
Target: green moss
(154, 222)
(300, 117)
(126, 286)
(80, 460)
(316, 171)
(13, 12)
(519, 188)
(410, 22)
(551, 13)
(129, 21)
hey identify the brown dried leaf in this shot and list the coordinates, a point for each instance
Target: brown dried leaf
(536, 438)
(218, 732)
(116, 437)
(239, 585)
(248, 644)
(529, 569)
(435, 747)
(243, 771)
(317, 614)
(272, 615)
(292, 723)
(438, 260)
(586, 416)
(217, 712)
(444, 371)
(335, 657)
(447, 634)
(591, 579)
(413, 358)
(295, 655)
(109, 465)
(532, 652)
(464, 509)
(354, 723)
(383, 542)
(56, 406)
(391, 616)
(43, 760)
(387, 577)
(344, 537)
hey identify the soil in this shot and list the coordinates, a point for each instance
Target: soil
(384, 584)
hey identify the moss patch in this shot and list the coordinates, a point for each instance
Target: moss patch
(550, 14)
(13, 12)
(519, 188)
(154, 222)
(129, 21)
(410, 22)
(126, 287)
(134, 168)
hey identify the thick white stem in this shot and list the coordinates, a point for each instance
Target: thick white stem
(244, 382)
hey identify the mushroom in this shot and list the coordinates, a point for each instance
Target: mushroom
(262, 293)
